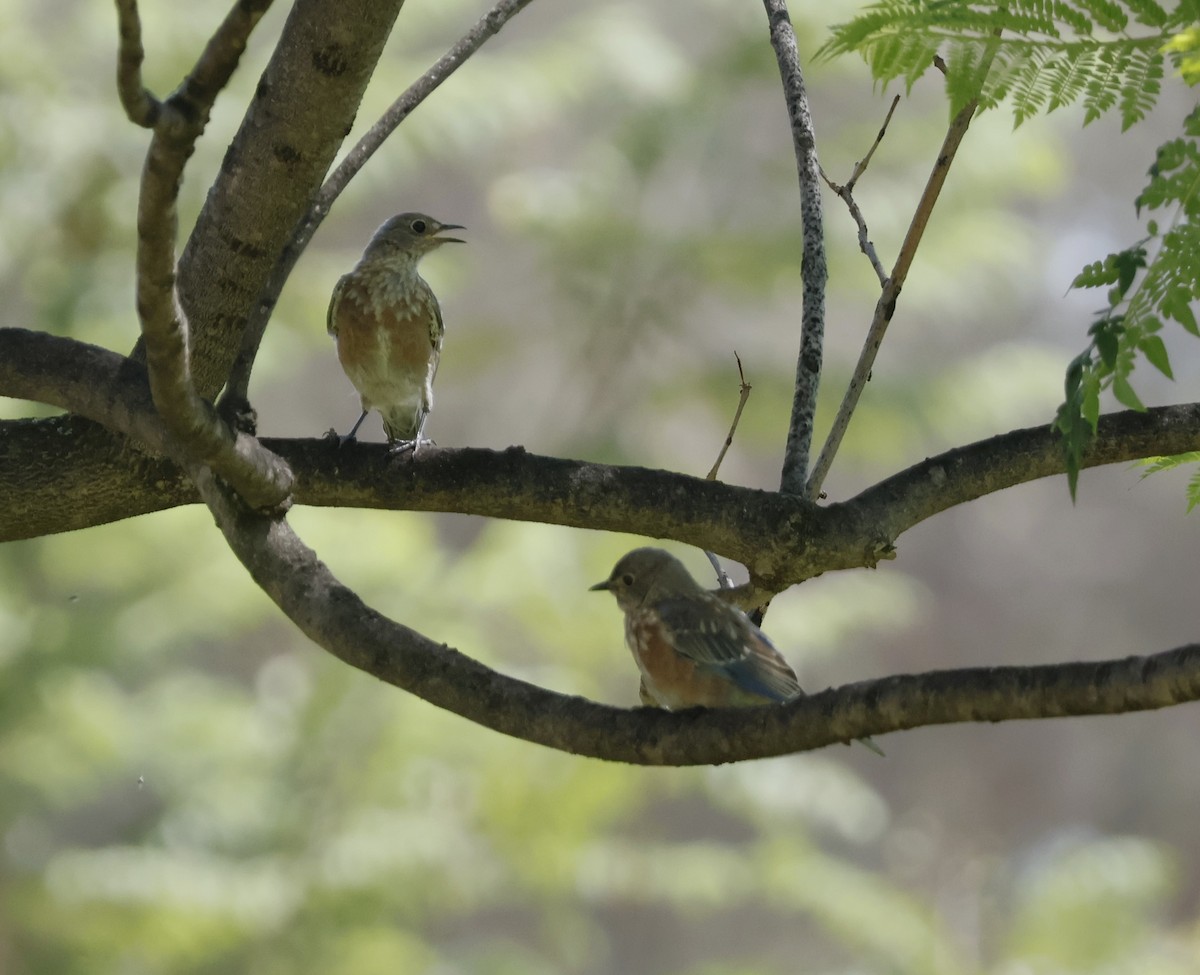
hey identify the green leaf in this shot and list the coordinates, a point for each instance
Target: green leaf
(1090, 406)
(1125, 394)
(1096, 275)
(1106, 334)
(1127, 263)
(1178, 307)
(1155, 351)
(1156, 465)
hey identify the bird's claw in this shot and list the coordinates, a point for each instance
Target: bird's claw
(400, 447)
(338, 439)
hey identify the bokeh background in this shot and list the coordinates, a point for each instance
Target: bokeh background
(187, 785)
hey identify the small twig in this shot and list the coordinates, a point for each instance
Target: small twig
(885, 308)
(846, 193)
(813, 269)
(723, 579)
(861, 166)
(486, 27)
(743, 394)
(864, 240)
(260, 476)
(140, 106)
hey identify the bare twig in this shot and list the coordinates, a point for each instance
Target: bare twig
(861, 166)
(140, 106)
(813, 269)
(743, 394)
(846, 192)
(259, 475)
(885, 308)
(486, 27)
(864, 240)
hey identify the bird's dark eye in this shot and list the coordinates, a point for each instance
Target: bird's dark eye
(419, 226)
(627, 579)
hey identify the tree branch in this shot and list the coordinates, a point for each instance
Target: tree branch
(141, 107)
(67, 473)
(260, 476)
(486, 27)
(302, 108)
(845, 191)
(335, 618)
(885, 308)
(813, 268)
(781, 539)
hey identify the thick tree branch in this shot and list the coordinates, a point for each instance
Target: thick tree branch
(813, 269)
(263, 479)
(987, 466)
(302, 108)
(486, 27)
(780, 538)
(336, 619)
(885, 308)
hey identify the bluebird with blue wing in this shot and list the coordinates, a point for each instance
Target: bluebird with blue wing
(693, 648)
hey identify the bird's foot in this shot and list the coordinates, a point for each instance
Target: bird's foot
(338, 439)
(398, 448)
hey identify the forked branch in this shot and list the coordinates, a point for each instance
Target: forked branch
(263, 478)
(845, 191)
(885, 307)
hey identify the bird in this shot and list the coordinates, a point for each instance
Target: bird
(387, 326)
(693, 648)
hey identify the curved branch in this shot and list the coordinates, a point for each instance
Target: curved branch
(966, 473)
(261, 477)
(141, 107)
(71, 474)
(813, 268)
(336, 619)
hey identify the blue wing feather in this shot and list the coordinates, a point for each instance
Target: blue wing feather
(721, 639)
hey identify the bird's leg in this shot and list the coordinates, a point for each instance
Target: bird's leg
(417, 442)
(349, 438)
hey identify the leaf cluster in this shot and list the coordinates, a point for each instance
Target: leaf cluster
(1144, 292)
(1038, 55)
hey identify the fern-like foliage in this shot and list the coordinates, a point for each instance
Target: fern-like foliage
(1156, 465)
(1038, 55)
(1167, 284)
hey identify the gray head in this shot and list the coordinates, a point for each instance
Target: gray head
(647, 575)
(415, 234)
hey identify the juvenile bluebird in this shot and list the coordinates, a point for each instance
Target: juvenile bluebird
(388, 327)
(693, 648)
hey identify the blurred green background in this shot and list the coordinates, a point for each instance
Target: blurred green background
(187, 785)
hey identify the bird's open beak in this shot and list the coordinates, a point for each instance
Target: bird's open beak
(601, 586)
(450, 240)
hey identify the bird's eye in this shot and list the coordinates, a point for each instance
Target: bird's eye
(419, 226)
(627, 579)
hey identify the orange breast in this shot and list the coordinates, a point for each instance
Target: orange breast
(386, 349)
(675, 680)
